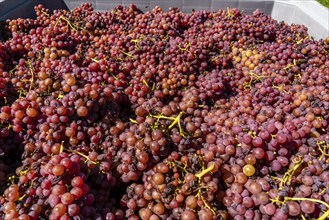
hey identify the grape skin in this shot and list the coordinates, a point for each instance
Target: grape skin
(162, 115)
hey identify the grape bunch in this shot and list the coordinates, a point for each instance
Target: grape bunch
(154, 115)
(180, 187)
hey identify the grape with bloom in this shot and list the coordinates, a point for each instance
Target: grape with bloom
(162, 115)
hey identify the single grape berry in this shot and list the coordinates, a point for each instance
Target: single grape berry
(249, 170)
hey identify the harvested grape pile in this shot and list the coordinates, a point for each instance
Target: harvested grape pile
(162, 115)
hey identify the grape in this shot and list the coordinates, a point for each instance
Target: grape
(158, 209)
(145, 213)
(58, 190)
(257, 142)
(191, 201)
(188, 215)
(67, 198)
(269, 209)
(158, 178)
(276, 165)
(59, 209)
(307, 207)
(127, 114)
(77, 181)
(205, 214)
(58, 170)
(294, 208)
(249, 170)
(250, 159)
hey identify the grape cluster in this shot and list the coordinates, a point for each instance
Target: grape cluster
(162, 115)
(180, 187)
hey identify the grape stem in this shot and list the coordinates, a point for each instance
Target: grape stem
(176, 120)
(22, 197)
(127, 54)
(207, 206)
(12, 179)
(60, 96)
(252, 134)
(305, 199)
(186, 48)
(253, 79)
(96, 61)
(73, 26)
(205, 171)
(32, 74)
(136, 41)
(21, 92)
(23, 172)
(290, 65)
(174, 164)
(280, 88)
(133, 121)
(301, 40)
(45, 13)
(187, 45)
(61, 149)
(145, 83)
(229, 13)
(12, 70)
(324, 216)
(323, 149)
(82, 155)
(298, 161)
(199, 194)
